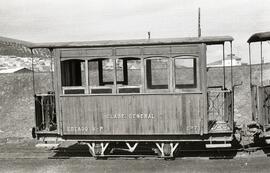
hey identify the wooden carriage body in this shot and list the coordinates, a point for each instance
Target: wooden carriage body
(260, 90)
(134, 90)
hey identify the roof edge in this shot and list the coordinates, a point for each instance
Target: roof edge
(211, 40)
(258, 37)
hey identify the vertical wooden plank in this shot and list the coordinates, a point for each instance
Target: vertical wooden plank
(188, 114)
(261, 112)
(171, 74)
(267, 113)
(79, 114)
(115, 76)
(57, 87)
(90, 113)
(143, 76)
(203, 82)
(183, 113)
(86, 77)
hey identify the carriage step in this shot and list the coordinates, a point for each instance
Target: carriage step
(218, 145)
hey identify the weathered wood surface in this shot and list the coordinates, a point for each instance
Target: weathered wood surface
(254, 102)
(131, 51)
(132, 114)
(135, 42)
(263, 103)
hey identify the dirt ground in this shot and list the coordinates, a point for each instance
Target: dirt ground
(25, 157)
(132, 166)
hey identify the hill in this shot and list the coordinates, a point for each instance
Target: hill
(15, 53)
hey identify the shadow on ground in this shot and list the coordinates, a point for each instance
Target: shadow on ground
(147, 150)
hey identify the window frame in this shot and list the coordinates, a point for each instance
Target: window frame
(171, 75)
(112, 86)
(157, 90)
(123, 86)
(196, 75)
(73, 88)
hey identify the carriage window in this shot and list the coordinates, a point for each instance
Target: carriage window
(128, 75)
(185, 73)
(101, 76)
(73, 76)
(157, 73)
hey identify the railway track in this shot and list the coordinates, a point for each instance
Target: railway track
(74, 150)
(83, 153)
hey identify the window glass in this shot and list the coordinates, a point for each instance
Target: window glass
(108, 72)
(129, 71)
(134, 72)
(101, 76)
(157, 73)
(128, 75)
(100, 72)
(93, 73)
(185, 73)
(73, 73)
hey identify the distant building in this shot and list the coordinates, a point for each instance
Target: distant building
(236, 61)
(15, 70)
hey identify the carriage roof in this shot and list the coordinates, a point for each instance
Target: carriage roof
(135, 42)
(261, 36)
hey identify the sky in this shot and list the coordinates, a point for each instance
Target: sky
(87, 20)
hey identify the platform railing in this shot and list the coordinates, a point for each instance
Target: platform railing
(220, 110)
(266, 104)
(260, 96)
(45, 112)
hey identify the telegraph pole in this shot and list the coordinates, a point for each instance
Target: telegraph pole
(199, 23)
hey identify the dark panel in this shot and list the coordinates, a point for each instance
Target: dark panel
(129, 90)
(101, 91)
(74, 91)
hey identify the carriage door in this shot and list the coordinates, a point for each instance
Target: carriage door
(264, 106)
(219, 90)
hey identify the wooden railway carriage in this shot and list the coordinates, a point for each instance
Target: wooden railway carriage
(260, 92)
(134, 91)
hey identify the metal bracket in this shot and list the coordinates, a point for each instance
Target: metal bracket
(161, 148)
(131, 149)
(103, 147)
(92, 148)
(173, 148)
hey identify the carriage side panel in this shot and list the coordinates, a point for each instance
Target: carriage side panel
(132, 114)
(264, 105)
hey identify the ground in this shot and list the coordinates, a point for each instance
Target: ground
(25, 157)
(90, 165)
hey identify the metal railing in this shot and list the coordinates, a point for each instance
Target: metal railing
(45, 112)
(220, 110)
